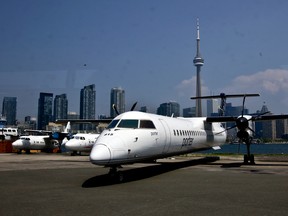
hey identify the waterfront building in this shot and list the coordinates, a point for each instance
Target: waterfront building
(144, 109)
(9, 110)
(169, 109)
(44, 110)
(212, 107)
(117, 97)
(234, 110)
(73, 115)
(60, 107)
(189, 112)
(87, 105)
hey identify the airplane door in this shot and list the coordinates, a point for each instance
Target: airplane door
(165, 136)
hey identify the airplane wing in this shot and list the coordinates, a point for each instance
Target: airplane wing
(254, 118)
(271, 117)
(38, 131)
(221, 119)
(84, 121)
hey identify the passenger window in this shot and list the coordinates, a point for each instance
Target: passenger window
(146, 124)
(128, 123)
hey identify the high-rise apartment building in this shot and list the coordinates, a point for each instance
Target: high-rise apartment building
(9, 109)
(44, 110)
(117, 97)
(60, 107)
(87, 104)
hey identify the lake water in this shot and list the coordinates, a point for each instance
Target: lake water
(255, 149)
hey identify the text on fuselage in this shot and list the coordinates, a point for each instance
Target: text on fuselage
(187, 141)
(154, 133)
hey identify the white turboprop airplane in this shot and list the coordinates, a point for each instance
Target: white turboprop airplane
(80, 142)
(32, 142)
(40, 142)
(136, 136)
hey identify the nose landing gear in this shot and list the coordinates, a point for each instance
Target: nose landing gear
(116, 175)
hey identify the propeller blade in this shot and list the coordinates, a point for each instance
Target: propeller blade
(226, 129)
(243, 105)
(133, 107)
(115, 109)
(251, 130)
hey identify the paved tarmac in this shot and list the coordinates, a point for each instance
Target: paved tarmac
(59, 184)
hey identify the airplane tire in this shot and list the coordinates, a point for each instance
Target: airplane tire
(252, 160)
(246, 159)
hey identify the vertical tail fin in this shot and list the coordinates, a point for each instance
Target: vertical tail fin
(67, 128)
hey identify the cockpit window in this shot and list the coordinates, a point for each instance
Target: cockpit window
(128, 123)
(113, 124)
(146, 124)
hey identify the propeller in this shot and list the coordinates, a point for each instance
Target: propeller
(116, 110)
(242, 123)
(133, 107)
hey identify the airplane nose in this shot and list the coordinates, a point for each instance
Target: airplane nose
(68, 144)
(17, 143)
(100, 154)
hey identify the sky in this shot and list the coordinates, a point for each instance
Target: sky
(146, 47)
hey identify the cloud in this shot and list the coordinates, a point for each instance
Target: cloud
(271, 84)
(271, 81)
(187, 88)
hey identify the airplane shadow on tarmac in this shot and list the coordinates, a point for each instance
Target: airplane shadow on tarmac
(136, 174)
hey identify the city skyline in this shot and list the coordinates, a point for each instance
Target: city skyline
(145, 47)
(117, 96)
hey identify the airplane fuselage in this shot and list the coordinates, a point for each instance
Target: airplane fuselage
(32, 142)
(135, 136)
(81, 142)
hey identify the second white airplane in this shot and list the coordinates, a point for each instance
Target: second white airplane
(81, 142)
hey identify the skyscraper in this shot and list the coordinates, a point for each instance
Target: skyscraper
(88, 102)
(212, 106)
(117, 97)
(44, 110)
(198, 62)
(60, 107)
(9, 109)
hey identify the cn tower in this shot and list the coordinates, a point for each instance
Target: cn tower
(198, 62)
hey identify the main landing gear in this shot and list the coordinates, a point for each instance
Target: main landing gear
(248, 158)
